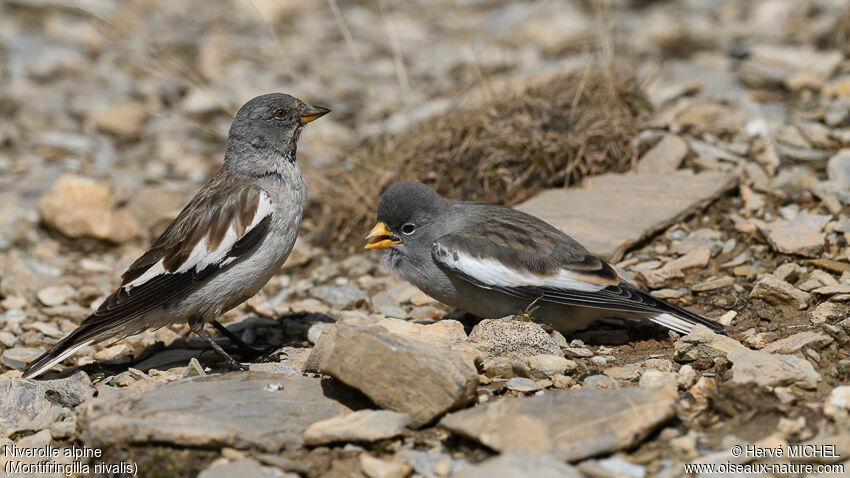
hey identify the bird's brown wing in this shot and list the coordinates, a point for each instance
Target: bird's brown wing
(224, 221)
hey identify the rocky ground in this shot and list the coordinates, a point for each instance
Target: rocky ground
(738, 207)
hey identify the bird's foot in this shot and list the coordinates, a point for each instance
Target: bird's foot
(238, 366)
(271, 355)
(198, 327)
(248, 352)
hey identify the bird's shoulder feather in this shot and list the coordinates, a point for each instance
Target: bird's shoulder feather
(520, 243)
(226, 219)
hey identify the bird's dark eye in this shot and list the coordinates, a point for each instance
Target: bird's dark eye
(280, 113)
(408, 229)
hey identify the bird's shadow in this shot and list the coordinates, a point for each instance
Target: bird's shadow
(179, 352)
(608, 332)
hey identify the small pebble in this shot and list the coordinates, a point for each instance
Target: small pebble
(520, 384)
(194, 369)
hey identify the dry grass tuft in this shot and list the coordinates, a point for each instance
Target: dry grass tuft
(552, 135)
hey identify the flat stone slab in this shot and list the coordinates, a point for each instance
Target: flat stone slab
(665, 156)
(246, 468)
(27, 404)
(364, 426)
(518, 465)
(801, 236)
(569, 425)
(241, 410)
(771, 369)
(612, 212)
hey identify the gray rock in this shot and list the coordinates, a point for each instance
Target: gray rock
(17, 358)
(770, 370)
(599, 381)
(47, 329)
(788, 60)
(507, 337)
(801, 236)
(831, 290)
(775, 291)
(519, 465)
(64, 429)
(710, 152)
(686, 377)
(445, 333)
(315, 331)
(56, 295)
(546, 365)
(713, 284)
(837, 401)
(568, 425)
(395, 296)
(339, 295)
(378, 468)
(703, 344)
(838, 169)
(431, 464)
(245, 468)
(7, 339)
(665, 156)
(578, 352)
(697, 257)
(35, 405)
(363, 425)
(612, 212)
(520, 384)
(798, 342)
(614, 466)
(628, 373)
(397, 372)
(656, 378)
(240, 410)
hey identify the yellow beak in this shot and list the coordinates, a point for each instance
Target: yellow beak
(380, 237)
(313, 113)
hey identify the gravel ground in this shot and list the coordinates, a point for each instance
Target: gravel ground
(118, 109)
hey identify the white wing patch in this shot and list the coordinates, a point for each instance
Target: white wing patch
(200, 257)
(155, 270)
(492, 272)
(674, 323)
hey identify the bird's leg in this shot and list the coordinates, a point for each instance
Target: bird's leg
(246, 349)
(197, 327)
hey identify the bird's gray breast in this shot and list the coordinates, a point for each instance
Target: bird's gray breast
(245, 277)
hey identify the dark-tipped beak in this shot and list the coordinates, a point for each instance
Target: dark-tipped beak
(380, 237)
(312, 113)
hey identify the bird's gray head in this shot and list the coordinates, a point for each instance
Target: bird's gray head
(410, 216)
(266, 130)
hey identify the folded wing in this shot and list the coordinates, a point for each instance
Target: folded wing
(543, 263)
(223, 222)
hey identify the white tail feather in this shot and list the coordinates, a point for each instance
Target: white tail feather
(61, 357)
(674, 323)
